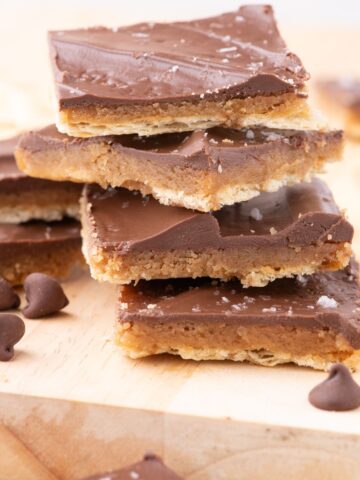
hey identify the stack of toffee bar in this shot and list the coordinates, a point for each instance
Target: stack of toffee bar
(39, 227)
(198, 147)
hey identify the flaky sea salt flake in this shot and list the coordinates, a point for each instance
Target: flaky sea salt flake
(269, 310)
(250, 135)
(256, 214)
(140, 34)
(227, 49)
(151, 306)
(327, 302)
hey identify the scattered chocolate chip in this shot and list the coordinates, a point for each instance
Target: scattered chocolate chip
(339, 392)
(12, 328)
(44, 296)
(8, 297)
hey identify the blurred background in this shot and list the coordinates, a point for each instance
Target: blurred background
(306, 12)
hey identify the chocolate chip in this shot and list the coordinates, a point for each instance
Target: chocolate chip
(339, 392)
(12, 328)
(8, 297)
(44, 296)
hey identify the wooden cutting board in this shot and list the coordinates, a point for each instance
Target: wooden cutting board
(78, 406)
(72, 405)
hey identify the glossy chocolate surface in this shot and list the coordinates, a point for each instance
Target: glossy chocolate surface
(237, 54)
(38, 233)
(288, 302)
(304, 214)
(204, 150)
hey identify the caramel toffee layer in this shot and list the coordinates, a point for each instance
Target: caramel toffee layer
(150, 468)
(311, 320)
(302, 215)
(203, 150)
(13, 180)
(200, 170)
(239, 54)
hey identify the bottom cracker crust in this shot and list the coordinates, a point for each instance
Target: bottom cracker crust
(48, 204)
(38, 212)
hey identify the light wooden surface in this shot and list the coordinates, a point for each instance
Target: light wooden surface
(72, 405)
(13, 452)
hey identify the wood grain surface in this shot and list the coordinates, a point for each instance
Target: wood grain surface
(71, 404)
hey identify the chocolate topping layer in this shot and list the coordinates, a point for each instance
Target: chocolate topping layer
(35, 233)
(203, 150)
(12, 179)
(301, 215)
(288, 302)
(150, 468)
(237, 54)
(339, 392)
